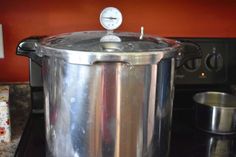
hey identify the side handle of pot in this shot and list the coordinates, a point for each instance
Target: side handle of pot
(189, 50)
(27, 47)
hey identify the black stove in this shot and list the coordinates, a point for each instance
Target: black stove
(213, 72)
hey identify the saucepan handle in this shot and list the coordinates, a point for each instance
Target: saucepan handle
(28, 47)
(189, 50)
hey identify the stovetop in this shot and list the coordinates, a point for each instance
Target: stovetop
(186, 140)
(33, 140)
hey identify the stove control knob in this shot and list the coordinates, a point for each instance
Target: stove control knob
(214, 62)
(192, 65)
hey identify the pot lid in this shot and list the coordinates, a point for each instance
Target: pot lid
(99, 46)
(101, 41)
(95, 46)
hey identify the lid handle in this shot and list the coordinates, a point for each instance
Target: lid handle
(28, 47)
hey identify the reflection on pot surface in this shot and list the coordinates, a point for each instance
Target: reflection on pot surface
(112, 113)
(221, 147)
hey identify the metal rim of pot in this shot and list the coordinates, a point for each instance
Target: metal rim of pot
(37, 47)
(197, 96)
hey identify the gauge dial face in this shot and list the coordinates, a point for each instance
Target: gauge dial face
(110, 18)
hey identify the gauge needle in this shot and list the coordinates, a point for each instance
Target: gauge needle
(110, 18)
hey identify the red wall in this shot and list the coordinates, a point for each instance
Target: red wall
(186, 18)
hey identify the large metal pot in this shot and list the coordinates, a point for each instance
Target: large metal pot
(108, 98)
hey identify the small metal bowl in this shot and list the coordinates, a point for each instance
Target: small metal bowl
(215, 112)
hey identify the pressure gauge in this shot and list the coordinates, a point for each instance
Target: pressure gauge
(110, 18)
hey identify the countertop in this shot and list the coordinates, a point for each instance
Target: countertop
(19, 103)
